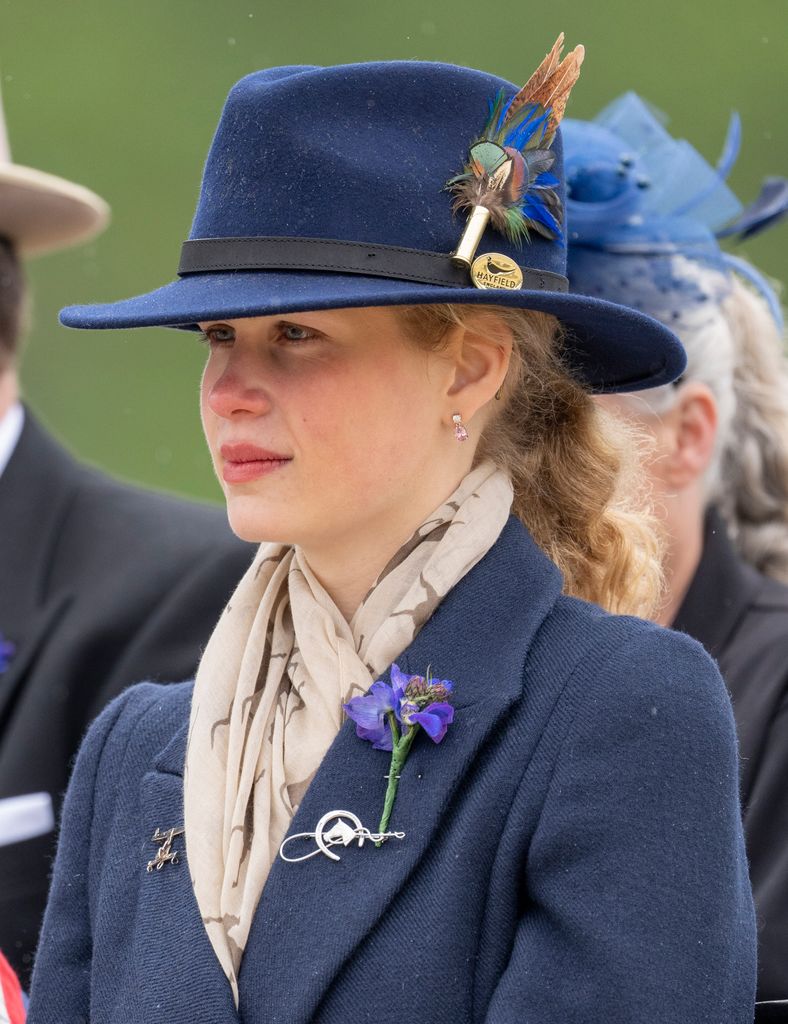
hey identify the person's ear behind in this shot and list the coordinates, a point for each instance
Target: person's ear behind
(692, 424)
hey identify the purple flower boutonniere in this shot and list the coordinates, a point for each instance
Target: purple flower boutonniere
(390, 716)
(7, 651)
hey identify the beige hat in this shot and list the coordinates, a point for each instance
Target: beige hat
(40, 212)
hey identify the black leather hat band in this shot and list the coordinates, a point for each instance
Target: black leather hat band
(201, 255)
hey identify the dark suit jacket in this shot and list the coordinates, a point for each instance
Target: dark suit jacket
(741, 618)
(101, 585)
(573, 848)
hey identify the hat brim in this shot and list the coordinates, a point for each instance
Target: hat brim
(610, 347)
(41, 212)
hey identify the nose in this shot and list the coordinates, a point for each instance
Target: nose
(236, 390)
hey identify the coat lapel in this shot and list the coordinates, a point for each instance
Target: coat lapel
(312, 916)
(36, 490)
(167, 903)
(39, 625)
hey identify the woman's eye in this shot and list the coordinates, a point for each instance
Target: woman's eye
(218, 335)
(293, 332)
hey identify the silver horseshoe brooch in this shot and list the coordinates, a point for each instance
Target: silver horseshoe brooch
(337, 828)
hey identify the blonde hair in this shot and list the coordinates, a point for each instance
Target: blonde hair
(575, 470)
(736, 349)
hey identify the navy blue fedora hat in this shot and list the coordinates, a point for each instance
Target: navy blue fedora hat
(326, 188)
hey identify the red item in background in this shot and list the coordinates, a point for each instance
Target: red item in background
(12, 993)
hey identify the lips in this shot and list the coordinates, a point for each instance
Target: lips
(243, 462)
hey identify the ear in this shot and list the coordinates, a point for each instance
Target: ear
(480, 352)
(690, 430)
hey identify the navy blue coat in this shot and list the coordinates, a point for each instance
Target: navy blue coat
(573, 848)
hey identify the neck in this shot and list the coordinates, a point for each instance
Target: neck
(347, 578)
(684, 532)
(348, 567)
(9, 390)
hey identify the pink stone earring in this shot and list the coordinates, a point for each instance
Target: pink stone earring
(460, 433)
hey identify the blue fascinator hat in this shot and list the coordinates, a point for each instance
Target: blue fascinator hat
(338, 187)
(645, 212)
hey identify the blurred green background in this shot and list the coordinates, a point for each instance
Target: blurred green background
(124, 97)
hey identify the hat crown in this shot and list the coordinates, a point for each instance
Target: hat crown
(364, 153)
(40, 212)
(356, 152)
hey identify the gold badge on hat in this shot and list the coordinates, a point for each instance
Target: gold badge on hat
(507, 181)
(494, 270)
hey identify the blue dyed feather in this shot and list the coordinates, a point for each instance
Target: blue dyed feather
(520, 142)
(508, 170)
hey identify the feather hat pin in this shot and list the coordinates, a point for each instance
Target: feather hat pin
(506, 180)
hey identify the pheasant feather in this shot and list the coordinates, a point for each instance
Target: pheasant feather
(508, 171)
(549, 86)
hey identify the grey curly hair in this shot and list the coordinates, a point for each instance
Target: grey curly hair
(737, 350)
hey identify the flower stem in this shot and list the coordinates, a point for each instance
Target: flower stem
(392, 720)
(399, 754)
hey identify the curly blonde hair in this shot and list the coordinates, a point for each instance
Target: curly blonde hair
(575, 470)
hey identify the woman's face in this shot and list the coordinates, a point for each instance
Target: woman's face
(324, 426)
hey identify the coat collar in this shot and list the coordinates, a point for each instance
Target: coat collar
(296, 954)
(11, 423)
(720, 592)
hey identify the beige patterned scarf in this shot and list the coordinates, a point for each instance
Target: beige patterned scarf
(270, 687)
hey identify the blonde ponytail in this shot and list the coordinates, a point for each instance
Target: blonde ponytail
(575, 471)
